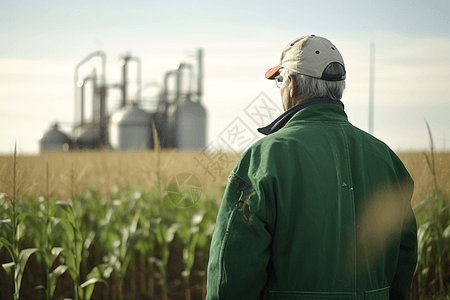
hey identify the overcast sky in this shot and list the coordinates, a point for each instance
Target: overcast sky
(41, 42)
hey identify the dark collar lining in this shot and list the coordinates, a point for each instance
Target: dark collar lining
(279, 122)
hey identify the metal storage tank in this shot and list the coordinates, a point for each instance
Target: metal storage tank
(191, 127)
(171, 126)
(131, 129)
(160, 119)
(89, 138)
(55, 140)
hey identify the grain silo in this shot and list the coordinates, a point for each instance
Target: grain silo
(55, 140)
(89, 137)
(191, 118)
(182, 117)
(130, 129)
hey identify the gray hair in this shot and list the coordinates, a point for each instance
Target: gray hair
(310, 87)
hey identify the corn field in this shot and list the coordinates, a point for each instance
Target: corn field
(102, 225)
(432, 274)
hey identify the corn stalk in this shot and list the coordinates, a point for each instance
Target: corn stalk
(19, 258)
(433, 215)
(189, 235)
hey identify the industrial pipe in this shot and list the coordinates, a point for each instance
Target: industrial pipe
(165, 87)
(92, 77)
(124, 78)
(82, 62)
(124, 81)
(179, 81)
(200, 74)
(138, 78)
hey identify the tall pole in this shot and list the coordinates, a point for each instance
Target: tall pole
(138, 78)
(200, 75)
(371, 86)
(124, 81)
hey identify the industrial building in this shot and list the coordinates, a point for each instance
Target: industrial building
(179, 116)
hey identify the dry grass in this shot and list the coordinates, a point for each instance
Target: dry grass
(417, 166)
(73, 172)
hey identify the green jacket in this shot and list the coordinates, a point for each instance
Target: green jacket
(318, 209)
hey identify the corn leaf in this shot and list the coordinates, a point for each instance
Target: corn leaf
(186, 274)
(197, 218)
(203, 241)
(22, 216)
(134, 222)
(189, 253)
(124, 266)
(55, 252)
(78, 244)
(446, 232)
(75, 241)
(169, 234)
(423, 229)
(445, 239)
(9, 268)
(93, 277)
(88, 283)
(10, 249)
(184, 235)
(52, 210)
(422, 204)
(158, 230)
(134, 238)
(106, 270)
(6, 222)
(68, 210)
(88, 240)
(69, 261)
(22, 262)
(61, 269)
(61, 226)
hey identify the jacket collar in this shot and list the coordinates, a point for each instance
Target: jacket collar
(282, 120)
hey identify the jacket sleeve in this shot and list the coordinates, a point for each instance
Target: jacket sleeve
(240, 247)
(407, 259)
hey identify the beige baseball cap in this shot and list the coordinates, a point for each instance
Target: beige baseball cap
(309, 55)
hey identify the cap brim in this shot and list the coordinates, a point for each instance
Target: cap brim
(273, 72)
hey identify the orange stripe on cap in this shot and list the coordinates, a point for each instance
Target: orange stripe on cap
(273, 72)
